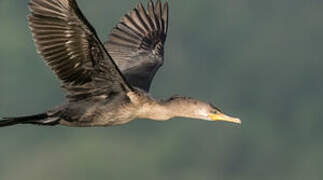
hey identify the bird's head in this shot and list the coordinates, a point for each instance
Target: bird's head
(193, 108)
(215, 114)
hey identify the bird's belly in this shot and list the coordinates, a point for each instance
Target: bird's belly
(111, 120)
(103, 116)
(102, 120)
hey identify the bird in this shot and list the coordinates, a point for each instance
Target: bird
(106, 84)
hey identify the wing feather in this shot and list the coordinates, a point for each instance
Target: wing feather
(70, 46)
(136, 43)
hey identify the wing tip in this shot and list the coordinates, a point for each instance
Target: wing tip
(152, 13)
(142, 28)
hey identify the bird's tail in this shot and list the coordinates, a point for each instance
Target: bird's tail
(38, 119)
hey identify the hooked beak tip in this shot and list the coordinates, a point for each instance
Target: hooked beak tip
(222, 117)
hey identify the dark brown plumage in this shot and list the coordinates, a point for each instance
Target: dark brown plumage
(106, 85)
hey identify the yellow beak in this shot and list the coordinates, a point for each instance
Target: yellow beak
(222, 117)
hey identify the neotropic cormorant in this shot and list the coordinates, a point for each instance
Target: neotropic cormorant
(107, 84)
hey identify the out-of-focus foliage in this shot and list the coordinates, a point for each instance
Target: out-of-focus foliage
(256, 59)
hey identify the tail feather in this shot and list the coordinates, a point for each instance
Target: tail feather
(7, 122)
(39, 119)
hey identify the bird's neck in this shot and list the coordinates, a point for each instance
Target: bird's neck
(164, 110)
(155, 110)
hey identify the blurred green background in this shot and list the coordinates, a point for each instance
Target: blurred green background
(256, 59)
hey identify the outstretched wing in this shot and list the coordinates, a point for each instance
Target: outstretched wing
(70, 46)
(136, 43)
